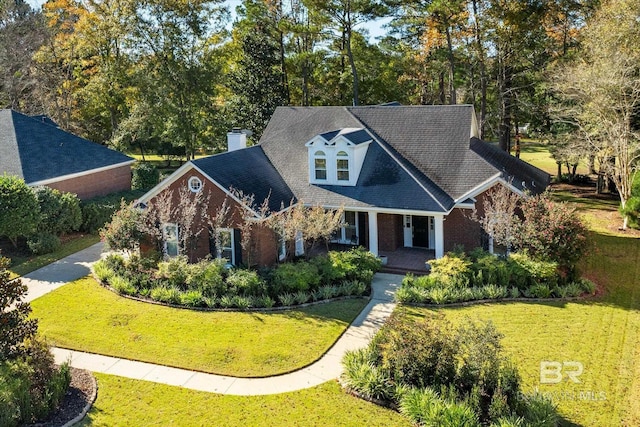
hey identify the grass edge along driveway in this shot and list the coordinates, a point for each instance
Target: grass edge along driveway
(86, 317)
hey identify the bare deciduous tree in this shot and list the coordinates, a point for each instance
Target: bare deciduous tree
(499, 221)
(601, 92)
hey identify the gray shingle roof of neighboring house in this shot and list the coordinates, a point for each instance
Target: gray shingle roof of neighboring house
(250, 171)
(36, 150)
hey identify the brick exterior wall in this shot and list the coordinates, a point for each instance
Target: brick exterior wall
(460, 229)
(390, 234)
(263, 249)
(97, 184)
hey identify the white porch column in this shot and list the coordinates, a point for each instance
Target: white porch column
(373, 233)
(438, 222)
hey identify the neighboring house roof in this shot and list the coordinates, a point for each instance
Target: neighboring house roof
(422, 158)
(250, 171)
(39, 152)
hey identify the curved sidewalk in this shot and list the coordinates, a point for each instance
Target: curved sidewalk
(327, 368)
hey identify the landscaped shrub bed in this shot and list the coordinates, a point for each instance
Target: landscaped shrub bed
(479, 275)
(209, 283)
(440, 375)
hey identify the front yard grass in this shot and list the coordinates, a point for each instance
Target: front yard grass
(24, 264)
(603, 334)
(84, 316)
(125, 402)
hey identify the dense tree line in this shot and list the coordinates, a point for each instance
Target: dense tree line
(172, 76)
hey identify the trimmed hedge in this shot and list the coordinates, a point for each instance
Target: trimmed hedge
(98, 211)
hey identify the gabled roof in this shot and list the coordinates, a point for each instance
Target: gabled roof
(249, 171)
(354, 136)
(422, 158)
(38, 151)
(439, 161)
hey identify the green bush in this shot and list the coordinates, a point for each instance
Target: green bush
(174, 271)
(97, 212)
(416, 354)
(192, 299)
(122, 285)
(409, 359)
(364, 377)
(166, 295)
(19, 208)
(102, 271)
(245, 283)
(540, 411)
(301, 276)
(533, 272)
(207, 276)
(31, 387)
(60, 212)
(451, 271)
(287, 299)
(43, 243)
(587, 286)
(539, 291)
(144, 176)
(355, 264)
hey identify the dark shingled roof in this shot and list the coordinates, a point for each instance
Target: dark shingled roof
(382, 182)
(249, 171)
(432, 149)
(521, 174)
(36, 150)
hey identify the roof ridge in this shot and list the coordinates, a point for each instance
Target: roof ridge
(386, 149)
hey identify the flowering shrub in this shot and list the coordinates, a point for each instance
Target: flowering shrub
(552, 231)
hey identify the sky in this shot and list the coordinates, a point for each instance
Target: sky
(374, 27)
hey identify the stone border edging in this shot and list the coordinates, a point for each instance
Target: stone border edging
(88, 406)
(491, 301)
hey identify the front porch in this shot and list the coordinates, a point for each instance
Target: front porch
(407, 260)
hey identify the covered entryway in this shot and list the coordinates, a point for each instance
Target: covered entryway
(419, 231)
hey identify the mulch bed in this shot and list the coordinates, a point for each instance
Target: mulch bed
(82, 392)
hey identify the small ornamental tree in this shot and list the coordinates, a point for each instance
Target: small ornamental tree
(552, 231)
(123, 233)
(500, 220)
(19, 209)
(15, 325)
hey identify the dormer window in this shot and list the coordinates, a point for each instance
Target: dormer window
(336, 157)
(320, 161)
(342, 166)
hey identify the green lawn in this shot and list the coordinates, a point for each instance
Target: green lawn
(124, 402)
(84, 316)
(537, 153)
(603, 334)
(21, 264)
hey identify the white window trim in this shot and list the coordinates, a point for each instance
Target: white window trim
(282, 247)
(196, 182)
(165, 240)
(219, 251)
(322, 156)
(346, 157)
(343, 230)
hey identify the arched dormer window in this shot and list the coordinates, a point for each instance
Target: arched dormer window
(342, 166)
(320, 165)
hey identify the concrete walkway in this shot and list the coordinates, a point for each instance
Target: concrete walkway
(327, 368)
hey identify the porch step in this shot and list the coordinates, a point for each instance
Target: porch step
(403, 271)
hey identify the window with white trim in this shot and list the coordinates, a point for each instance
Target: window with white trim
(226, 246)
(348, 232)
(195, 184)
(171, 239)
(342, 166)
(320, 162)
(282, 247)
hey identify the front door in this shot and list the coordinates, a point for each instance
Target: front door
(421, 231)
